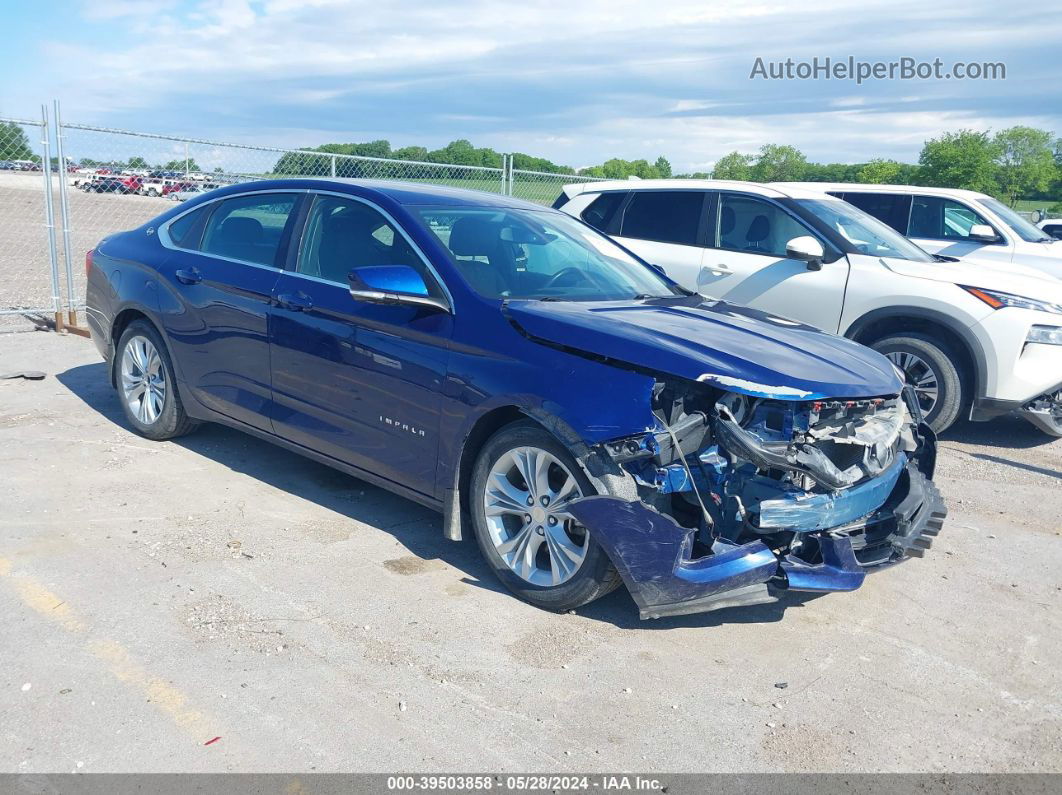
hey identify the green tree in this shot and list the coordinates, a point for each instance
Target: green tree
(181, 165)
(137, 162)
(733, 166)
(1026, 162)
(14, 144)
(776, 163)
(964, 159)
(881, 172)
(663, 167)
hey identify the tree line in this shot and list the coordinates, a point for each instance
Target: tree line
(1015, 163)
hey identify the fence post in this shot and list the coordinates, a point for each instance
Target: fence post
(64, 207)
(333, 165)
(49, 216)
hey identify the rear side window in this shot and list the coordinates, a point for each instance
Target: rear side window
(1055, 230)
(893, 209)
(187, 231)
(602, 210)
(248, 228)
(664, 216)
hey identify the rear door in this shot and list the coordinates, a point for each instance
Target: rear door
(357, 381)
(745, 262)
(223, 270)
(665, 228)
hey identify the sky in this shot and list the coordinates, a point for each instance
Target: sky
(575, 81)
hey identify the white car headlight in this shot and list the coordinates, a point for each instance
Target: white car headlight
(998, 300)
(1048, 335)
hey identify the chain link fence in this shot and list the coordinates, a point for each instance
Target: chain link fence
(110, 180)
(542, 187)
(27, 280)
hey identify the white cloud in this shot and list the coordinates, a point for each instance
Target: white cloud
(576, 82)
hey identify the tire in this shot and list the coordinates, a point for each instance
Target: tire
(152, 192)
(593, 576)
(151, 404)
(922, 358)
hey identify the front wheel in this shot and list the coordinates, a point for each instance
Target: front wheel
(522, 484)
(933, 371)
(147, 386)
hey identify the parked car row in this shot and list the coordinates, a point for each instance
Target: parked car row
(175, 188)
(598, 422)
(976, 336)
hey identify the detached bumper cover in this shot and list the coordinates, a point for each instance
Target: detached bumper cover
(652, 552)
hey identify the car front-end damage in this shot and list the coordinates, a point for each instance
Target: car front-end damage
(741, 491)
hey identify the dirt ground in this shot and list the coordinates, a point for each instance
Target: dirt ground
(155, 596)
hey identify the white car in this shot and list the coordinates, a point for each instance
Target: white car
(186, 194)
(978, 340)
(955, 223)
(1053, 227)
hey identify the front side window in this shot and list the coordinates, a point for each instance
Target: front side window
(753, 226)
(893, 209)
(248, 228)
(664, 216)
(865, 233)
(343, 234)
(543, 255)
(1025, 230)
(938, 218)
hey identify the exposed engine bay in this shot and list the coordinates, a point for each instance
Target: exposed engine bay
(821, 484)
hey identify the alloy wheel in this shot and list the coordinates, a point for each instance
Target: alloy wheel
(143, 380)
(921, 376)
(525, 501)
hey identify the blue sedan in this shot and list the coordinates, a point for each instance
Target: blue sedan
(590, 421)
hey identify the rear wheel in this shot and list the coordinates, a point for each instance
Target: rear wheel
(933, 370)
(147, 386)
(522, 483)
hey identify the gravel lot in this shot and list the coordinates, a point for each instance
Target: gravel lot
(156, 596)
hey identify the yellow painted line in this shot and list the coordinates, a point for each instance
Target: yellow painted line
(161, 694)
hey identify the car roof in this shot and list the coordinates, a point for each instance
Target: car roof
(406, 193)
(775, 190)
(869, 188)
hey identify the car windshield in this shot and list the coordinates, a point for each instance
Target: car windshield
(543, 255)
(1024, 229)
(866, 233)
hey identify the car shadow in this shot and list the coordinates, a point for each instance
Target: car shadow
(1007, 432)
(417, 528)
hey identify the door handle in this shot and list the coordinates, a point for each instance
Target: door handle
(192, 276)
(296, 302)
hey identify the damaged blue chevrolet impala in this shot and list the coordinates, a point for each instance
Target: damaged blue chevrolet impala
(590, 421)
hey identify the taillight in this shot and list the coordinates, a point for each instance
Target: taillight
(88, 262)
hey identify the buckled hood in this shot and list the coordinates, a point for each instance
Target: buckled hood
(732, 347)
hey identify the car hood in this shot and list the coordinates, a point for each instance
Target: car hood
(988, 275)
(729, 346)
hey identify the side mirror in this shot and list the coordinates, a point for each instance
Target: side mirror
(984, 233)
(807, 249)
(392, 284)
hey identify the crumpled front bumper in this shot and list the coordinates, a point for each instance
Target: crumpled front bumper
(653, 553)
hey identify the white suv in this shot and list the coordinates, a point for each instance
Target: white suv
(955, 223)
(977, 340)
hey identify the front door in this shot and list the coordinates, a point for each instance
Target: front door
(357, 381)
(745, 263)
